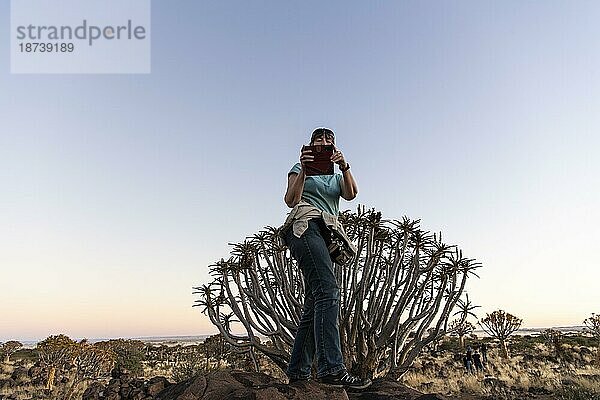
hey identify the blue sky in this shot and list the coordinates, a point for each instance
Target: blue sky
(479, 118)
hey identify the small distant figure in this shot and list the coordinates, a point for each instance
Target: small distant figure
(468, 360)
(483, 351)
(477, 362)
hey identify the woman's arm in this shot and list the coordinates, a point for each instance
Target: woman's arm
(348, 183)
(349, 186)
(295, 186)
(294, 190)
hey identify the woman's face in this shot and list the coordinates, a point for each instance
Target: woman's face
(323, 139)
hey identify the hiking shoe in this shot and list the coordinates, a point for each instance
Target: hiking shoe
(344, 380)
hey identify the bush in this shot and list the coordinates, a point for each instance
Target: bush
(191, 365)
(129, 354)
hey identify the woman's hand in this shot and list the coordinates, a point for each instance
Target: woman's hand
(305, 156)
(338, 157)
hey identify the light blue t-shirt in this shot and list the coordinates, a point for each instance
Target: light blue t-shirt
(322, 191)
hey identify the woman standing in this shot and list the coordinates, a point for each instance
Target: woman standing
(307, 233)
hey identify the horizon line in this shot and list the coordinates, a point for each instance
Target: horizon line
(524, 328)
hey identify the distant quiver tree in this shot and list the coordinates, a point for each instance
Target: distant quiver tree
(592, 325)
(461, 327)
(396, 294)
(9, 348)
(501, 325)
(554, 338)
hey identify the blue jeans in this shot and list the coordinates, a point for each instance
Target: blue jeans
(318, 333)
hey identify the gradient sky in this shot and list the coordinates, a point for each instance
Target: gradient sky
(481, 118)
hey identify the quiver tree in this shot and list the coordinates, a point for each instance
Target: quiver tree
(7, 349)
(54, 353)
(83, 361)
(214, 347)
(402, 282)
(501, 325)
(460, 329)
(88, 362)
(592, 325)
(554, 339)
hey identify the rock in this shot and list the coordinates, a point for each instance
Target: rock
(137, 394)
(114, 385)
(538, 390)
(192, 388)
(35, 371)
(93, 392)
(20, 375)
(156, 384)
(384, 389)
(569, 382)
(7, 383)
(38, 375)
(125, 391)
(432, 397)
(121, 373)
(240, 385)
(138, 383)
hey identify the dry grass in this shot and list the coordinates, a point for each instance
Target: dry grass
(520, 374)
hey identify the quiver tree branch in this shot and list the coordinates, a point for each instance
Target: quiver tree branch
(396, 294)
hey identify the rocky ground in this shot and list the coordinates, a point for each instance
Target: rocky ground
(534, 371)
(240, 385)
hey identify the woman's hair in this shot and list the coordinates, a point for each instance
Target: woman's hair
(322, 131)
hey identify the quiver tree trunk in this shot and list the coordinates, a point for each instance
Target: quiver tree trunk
(50, 380)
(503, 349)
(395, 295)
